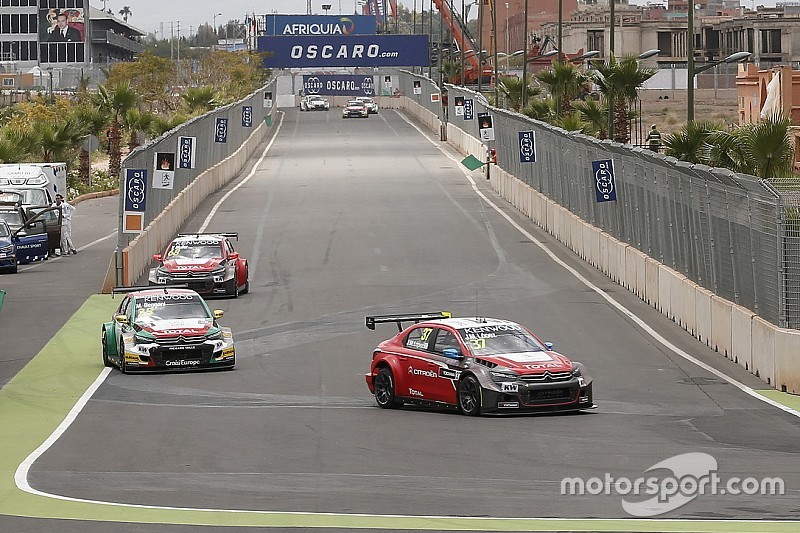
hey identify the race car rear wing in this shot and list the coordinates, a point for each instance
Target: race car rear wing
(216, 233)
(125, 290)
(399, 319)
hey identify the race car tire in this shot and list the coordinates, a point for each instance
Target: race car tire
(384, 390)
(246, 282)
(233, 289)
(123, 368)
(106, 360)
(469, 396)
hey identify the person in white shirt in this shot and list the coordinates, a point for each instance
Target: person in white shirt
(67, 210)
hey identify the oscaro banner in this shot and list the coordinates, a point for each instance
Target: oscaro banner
(341, 85)
(319, 25)
(345, 51)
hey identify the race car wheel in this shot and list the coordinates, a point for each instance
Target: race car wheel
(246, 282)
(233, 289)
(469, 396)
(122, 367)
(384, 390)
(106, 360)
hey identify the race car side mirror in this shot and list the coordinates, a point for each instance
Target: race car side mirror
(233, 255)
(452, 353)
(218, 313)
(548, 345)
(157, 257)
(121, 319)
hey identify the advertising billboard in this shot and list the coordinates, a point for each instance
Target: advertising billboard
(345, 51)
(317, 25)
(62, 33)
(339, 85)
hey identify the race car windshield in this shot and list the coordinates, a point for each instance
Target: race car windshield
(500, 342)
(154, 311)
(182, 251)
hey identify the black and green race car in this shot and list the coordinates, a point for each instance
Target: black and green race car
(166, 329)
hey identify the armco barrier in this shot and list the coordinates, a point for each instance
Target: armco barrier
(770, 352)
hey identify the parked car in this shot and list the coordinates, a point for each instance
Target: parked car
(17, 248)
(32, 220)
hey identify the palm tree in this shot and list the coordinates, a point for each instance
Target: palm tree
(571, 122)
(161, 125)
(137, 122)
(763, 149)
(595, 117)
(56, 141)
(200, 99)
(620, 81)
(513, 89)
(117, 100)
(13, 149)
(543, 109)
(94, 120)
(565, 82)
(689, 144)
(125, 12)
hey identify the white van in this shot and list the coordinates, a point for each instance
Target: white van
(51, 177)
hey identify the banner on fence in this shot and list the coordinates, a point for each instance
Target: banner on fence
(605, 186)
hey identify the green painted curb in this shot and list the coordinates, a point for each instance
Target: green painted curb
(791, 401)
(37, 399)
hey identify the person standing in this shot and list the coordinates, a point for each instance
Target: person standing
(67, 209)
(654, 139)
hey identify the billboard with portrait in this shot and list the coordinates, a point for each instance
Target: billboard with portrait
(62, 32)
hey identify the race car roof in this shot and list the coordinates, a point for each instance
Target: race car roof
(475, 322)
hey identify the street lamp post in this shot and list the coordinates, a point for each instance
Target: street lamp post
(508, 43)
(694, 71)
(525, 55)
(215, 25)
(326, 8)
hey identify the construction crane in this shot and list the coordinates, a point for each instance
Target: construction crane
(377, 8)
(466, 46)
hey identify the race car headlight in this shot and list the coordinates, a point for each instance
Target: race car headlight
(214, 336)
(576, 371)
(503, 376)
(142, 339)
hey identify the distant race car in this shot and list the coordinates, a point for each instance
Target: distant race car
(165, 328)
(354, 108)
(205, 262)
(314, 103)
(478, 365)
(369, 103)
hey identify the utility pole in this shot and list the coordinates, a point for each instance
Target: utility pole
(179, 41)
(525, 58)
(171, 41)
(480, 44)
(494, 47)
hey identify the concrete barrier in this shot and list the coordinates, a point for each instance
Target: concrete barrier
(741, 336)
(721, 339)
(651, 281)
(763, 350)
(702, 303)
(664, 287)
(605, 239)
(787, 360)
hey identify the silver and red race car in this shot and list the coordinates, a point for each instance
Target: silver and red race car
(205, 262)
(478, 365)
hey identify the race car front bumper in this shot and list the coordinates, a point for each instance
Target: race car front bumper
(205, 284)
(180, 357)
(572, 395)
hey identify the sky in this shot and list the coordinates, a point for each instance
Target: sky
(147, 15)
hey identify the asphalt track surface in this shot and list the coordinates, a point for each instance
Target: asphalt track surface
(341, 219)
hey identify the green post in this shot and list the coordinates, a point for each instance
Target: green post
(268, 120)
(2, 297)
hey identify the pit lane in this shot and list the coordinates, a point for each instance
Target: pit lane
(350, 219)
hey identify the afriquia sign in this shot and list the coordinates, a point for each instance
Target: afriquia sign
(341, 85)
(345, 51)
(317, 25)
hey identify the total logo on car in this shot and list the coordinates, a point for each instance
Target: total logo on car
(476, 365)
(205, 262)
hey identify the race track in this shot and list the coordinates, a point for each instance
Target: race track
(345, 218)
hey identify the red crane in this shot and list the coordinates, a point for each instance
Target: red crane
(466, 46)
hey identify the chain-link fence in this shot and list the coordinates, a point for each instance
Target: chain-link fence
(727, 232)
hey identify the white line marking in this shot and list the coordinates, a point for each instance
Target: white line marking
(84, 247)
(245, 180)
(633, 317)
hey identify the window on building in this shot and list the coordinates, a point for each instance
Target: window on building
(770, 41)
(8, 82)
(664, 39)
(595, 40)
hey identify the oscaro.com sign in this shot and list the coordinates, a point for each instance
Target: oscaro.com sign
(339, 85)
(691, 475)
(350, 51)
